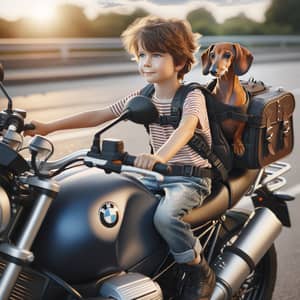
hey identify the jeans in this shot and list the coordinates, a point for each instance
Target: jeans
(180, 195)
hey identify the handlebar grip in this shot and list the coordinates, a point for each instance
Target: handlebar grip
(29, 126)
(162, 168)
(158, 167)
(129, 160)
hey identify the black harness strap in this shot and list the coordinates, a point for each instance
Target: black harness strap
(148, 91)
(167, 120)
(198, 143)
(232, 115)
(225, 111)
(187, 170)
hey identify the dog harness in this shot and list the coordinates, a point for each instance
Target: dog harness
(219, 155)
(225, 111)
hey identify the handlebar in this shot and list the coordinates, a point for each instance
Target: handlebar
(127, 166)
(158, 167)
(29, 126)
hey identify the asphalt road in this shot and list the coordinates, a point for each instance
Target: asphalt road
(54, 100)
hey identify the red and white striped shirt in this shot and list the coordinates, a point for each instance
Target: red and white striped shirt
(194, 104)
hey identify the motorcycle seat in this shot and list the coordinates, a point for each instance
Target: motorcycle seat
(219, 201)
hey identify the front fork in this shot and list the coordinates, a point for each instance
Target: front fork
(20, 254)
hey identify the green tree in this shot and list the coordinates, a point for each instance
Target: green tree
(240, 25)
(113, 24)
(138, 13)
(203, 21)
(23, 28)
(5, 29)
(283, 16)
(71, 22)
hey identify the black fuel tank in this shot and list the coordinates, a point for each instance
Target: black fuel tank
(98, 224)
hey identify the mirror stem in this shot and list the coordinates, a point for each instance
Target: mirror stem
(9, 105)
(96, 141)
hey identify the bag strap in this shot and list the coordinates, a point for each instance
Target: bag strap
(198, 143)
(148, 91)
(225, 111)
(285, 130)
(179, 98)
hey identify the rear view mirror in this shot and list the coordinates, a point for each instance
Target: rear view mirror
(141, 110)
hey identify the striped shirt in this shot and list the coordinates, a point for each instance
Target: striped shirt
(194, 104)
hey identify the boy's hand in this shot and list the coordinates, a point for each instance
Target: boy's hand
(147, 161)
(40, 128)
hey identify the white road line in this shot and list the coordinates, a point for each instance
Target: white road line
(294, 190)
(296, 91)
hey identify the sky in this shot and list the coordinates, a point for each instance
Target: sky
(43, 10)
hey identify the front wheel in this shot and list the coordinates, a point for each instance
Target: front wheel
(259, 285)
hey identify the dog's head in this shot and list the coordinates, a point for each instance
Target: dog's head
(218, 58)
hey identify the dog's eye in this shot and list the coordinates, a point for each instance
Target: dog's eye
(227, 55)
(212, 55)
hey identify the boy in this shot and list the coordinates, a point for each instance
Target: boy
(164, 50)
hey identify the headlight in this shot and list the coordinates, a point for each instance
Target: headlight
(5, 210)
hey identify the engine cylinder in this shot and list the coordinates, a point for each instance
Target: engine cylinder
(131, 286)
(5, 210)
(237, 261)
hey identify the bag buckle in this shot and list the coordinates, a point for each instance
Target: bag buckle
(163, 120)
(286, 127)
(269, 134)
(188, 171)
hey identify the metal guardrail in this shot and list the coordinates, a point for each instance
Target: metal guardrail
(65, 47)
(254, 40)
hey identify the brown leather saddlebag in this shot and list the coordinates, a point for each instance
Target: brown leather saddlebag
(269, 134)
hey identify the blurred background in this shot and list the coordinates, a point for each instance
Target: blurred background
(47, 33)
(92, 18)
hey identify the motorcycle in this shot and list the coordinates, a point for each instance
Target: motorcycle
(81, 227)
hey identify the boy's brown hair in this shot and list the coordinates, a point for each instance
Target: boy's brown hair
(173, 36)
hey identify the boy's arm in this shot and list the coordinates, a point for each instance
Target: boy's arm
(180, 137)
(81, 120)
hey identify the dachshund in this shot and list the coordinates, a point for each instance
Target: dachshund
(227, 61)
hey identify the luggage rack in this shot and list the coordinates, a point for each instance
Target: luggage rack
(271, 177)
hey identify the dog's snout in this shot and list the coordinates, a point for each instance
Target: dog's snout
(213, 70)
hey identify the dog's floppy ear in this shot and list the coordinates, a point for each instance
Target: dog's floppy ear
(243, 59)
(205, 60)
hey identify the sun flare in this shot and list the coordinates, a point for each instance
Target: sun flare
(43, 13)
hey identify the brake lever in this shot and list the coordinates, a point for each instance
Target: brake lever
(109, 166)
(29, 126)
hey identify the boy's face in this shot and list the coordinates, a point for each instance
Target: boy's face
(156, 67)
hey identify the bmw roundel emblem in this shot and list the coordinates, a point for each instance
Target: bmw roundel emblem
(109, 214)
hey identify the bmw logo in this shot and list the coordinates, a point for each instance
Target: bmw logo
(109, 214)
